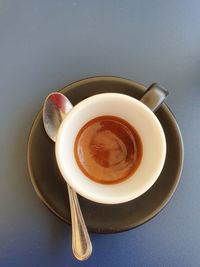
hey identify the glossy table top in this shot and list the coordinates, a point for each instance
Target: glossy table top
(46, 45)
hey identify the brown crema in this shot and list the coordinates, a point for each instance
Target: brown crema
(108, 149)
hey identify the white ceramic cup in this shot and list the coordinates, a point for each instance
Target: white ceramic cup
(148, 128)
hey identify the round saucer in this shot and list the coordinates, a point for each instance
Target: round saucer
(51, 187)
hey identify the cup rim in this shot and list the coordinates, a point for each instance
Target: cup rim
(74, 185)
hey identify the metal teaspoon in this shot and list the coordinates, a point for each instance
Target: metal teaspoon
(56, 107)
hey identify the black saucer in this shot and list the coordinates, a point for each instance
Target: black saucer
(51, 188)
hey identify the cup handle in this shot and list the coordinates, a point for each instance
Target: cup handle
(154, 96)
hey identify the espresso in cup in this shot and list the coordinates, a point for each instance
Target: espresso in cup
(111, 147)
(108, 149)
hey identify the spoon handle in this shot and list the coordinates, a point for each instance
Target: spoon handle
(81, 244)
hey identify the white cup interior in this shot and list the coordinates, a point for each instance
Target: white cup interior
(148, 128)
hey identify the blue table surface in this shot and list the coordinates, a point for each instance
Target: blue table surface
(45, 45)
